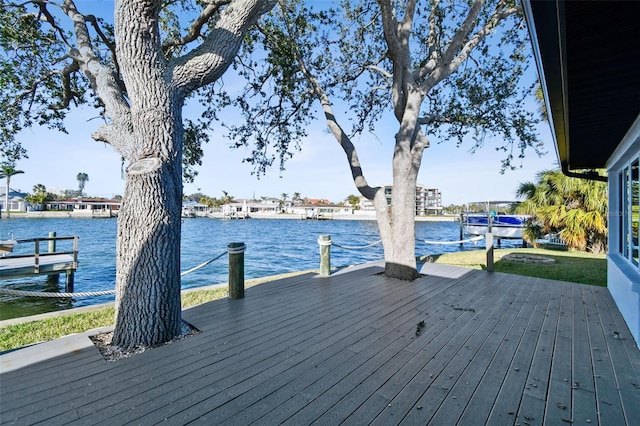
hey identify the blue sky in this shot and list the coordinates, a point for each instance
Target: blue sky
(318, 171)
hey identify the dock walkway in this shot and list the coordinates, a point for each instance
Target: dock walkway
(52, 262)
(457, 346)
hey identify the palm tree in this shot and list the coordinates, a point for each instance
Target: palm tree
(539, 96)
(353, 200)
(574, 208)
(6, 171)
(39, 197)
(227, 199)
(82, 179)
(283, 201)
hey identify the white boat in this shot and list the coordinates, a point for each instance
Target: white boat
(501, 225)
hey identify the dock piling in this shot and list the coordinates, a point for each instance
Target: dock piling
(236, 270)
(489, 251)
(53, 279)
(325, 255)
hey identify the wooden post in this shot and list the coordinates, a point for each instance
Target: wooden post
(461, 228)
(236, 270)
(52, 243)
(489, 250)
(325, 255)
(68, 285)
(53, 279)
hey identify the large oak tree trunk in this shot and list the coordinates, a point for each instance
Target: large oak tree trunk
(400, 244)
(397, 233)
(148, 244)
(400, 250)
(148, 310)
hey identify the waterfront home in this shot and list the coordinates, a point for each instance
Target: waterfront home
(193, 209)
(320, 211)
(86, 206)
(237, 209)
(588, 58)
(16, 200)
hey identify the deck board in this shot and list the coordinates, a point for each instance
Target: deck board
(615, 364)
(495, 349)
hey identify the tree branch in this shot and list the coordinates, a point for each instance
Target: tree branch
(207, 62)
(380, 71)
(104, 83)
(68, 94)
(45, 15)
(196, 26)
(336, 130)
(434, 30)
(111, 46)
(458, 51)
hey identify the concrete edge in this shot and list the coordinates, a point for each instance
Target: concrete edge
(38, 352)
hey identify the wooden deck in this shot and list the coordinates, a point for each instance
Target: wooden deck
(495, 349)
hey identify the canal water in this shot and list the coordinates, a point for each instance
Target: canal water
(274, 246)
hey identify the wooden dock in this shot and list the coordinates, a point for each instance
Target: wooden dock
(49, 262)
(457, 346)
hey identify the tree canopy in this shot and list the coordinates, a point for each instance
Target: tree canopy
(443, 70)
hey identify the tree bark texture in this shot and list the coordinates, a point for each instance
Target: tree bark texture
(149, 134)
(148, 308)
(148, 245)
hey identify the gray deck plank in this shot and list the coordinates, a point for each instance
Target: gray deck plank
(302, 379)
(502, 369)
(334, 404)
(555, 333)
(373, 330)
(495, 349)
(455, 385)
(583, 380)
(436, 321)
(558, 389)
(433, 340)
(434, 376)
(319, 338)
(128, 380)
(624, 358)
(508, 398)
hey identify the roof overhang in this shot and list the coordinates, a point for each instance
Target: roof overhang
(588, 58)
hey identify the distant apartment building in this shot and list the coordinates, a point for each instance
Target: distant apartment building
(428, 201)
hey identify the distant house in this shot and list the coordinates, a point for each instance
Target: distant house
(321, 211)
(89, 206)
(193, 209)
(588, 58)
(239, 209)
(16, 200)
(315, 201)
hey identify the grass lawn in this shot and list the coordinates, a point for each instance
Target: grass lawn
(576, 267)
